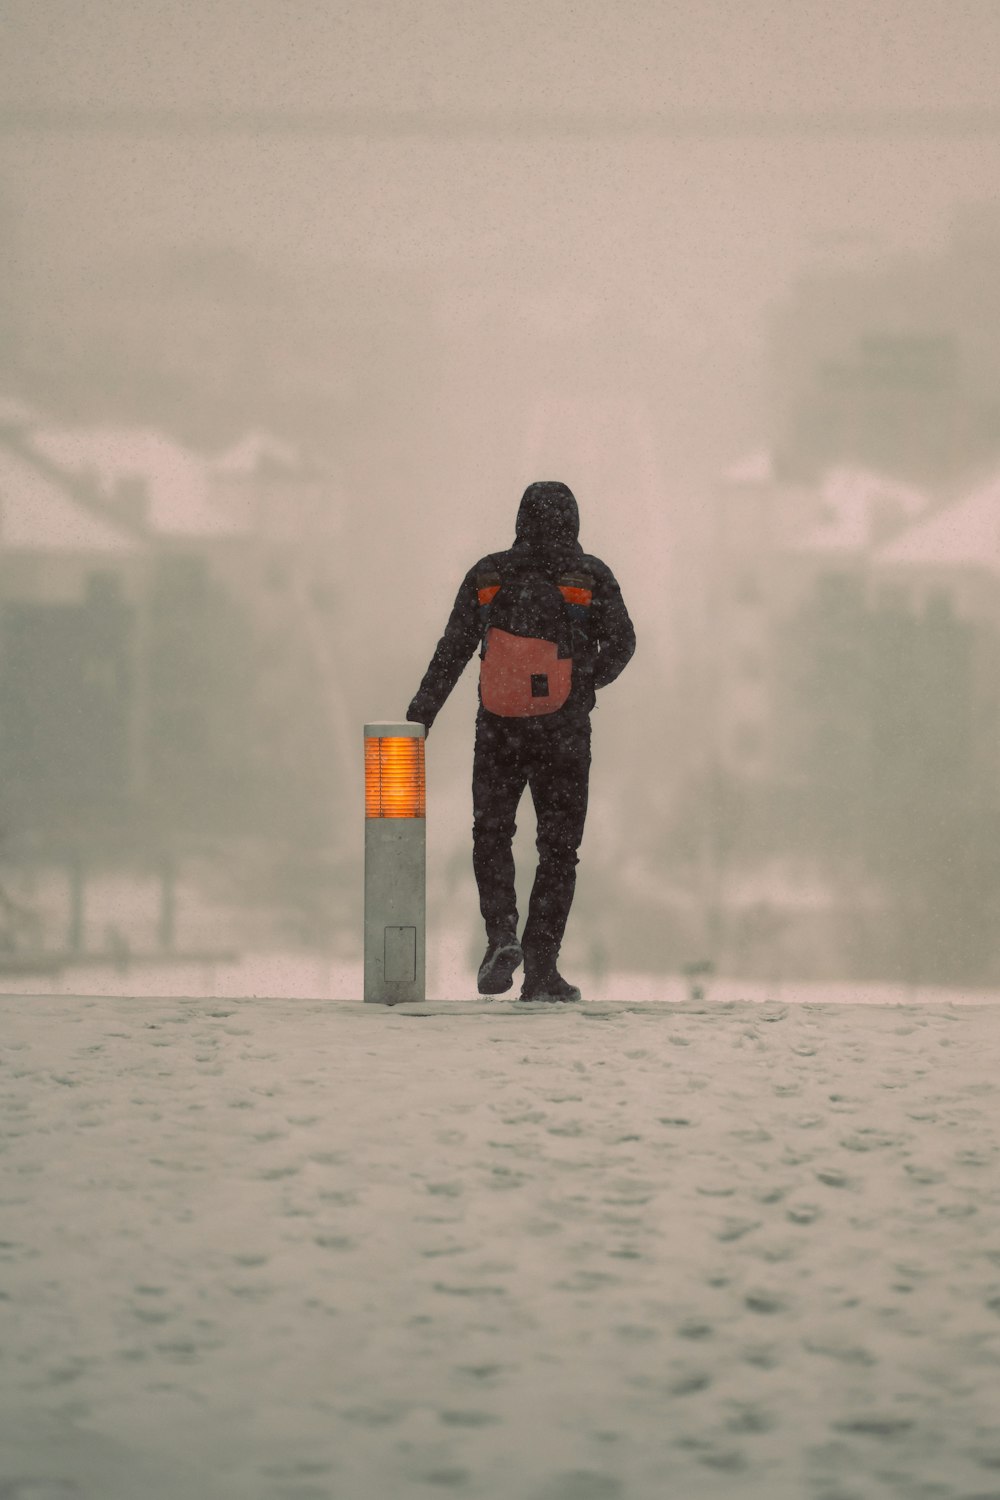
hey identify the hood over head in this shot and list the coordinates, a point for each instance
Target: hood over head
(548, 520)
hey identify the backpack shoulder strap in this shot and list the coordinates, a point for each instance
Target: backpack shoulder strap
(488, 581)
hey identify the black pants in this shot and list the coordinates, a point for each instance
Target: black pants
(551, 755)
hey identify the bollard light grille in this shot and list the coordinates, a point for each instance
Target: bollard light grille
(395, 784)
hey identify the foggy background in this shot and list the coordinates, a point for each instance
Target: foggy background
(296, 299)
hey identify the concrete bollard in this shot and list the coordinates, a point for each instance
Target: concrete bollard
(395, 863)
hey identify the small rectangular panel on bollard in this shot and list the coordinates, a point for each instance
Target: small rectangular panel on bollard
(395, 863)
(401, 954)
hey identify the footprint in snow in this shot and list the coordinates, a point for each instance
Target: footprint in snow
(751, 1419)
(833, 1347)
(765, 1302)
(761, 1356)
(468, 1418)
(446, 1478)
(923, 1175)
(803, 1213)
(480, 1372)
(874, 1424)
(694, 1328)
(690, 1383)
(832, 1178)
(730, 1460)
(579, 1484)
(735, 1229)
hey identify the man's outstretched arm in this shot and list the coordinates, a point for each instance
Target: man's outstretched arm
(460, 639)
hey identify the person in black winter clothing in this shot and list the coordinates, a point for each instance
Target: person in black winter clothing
(540, 739)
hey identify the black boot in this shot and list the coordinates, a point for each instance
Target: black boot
(547, 986)
(496, 972)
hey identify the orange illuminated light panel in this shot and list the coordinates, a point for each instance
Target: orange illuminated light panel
(395, 785)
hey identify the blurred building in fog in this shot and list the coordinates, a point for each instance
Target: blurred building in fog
(165, 660)
(894, 363)
(846, 729)
(11, 290)
(776, 543)
(291, 575)
(937, 586)
(73, 578)
(851, 721)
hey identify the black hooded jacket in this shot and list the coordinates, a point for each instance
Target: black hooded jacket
(547, 535)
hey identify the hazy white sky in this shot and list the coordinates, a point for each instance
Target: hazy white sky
(559, 55)
(687, 239)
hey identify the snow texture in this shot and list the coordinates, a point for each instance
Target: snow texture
(300, 1250)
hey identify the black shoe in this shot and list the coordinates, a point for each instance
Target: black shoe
(496, 972)
(551, 987)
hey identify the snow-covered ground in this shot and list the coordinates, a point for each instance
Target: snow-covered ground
(303, 1250)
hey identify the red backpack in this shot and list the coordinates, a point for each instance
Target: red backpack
(526, 664)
